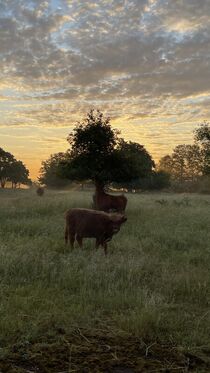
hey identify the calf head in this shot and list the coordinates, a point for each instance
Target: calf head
(117, 220)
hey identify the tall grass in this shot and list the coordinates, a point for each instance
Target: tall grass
(154, 283)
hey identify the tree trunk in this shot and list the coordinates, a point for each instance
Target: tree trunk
(99, 190)
(99, 186)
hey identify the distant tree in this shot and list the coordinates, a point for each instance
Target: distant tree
(18, 174)
(166, 164)
(12, 170)
(202, 138)
(98, 154)
(49, 173)
(185, 163)
(6, 161)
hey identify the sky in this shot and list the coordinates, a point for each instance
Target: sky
(143, 63)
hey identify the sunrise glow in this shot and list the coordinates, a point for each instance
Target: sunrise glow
(144, 63)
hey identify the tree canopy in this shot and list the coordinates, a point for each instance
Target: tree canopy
(98, 153)
(19, 174)
(49, 171)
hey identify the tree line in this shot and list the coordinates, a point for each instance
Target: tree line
(97, 153)
(12, 170)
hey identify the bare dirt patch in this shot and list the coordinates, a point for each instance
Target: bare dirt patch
(83, 351)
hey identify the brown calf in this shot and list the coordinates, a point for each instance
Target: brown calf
(83, 223)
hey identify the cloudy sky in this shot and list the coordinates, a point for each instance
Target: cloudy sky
(144, 63)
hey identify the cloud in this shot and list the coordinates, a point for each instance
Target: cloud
(86, 45)
(143, 62)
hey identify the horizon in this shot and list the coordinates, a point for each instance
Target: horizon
(145, 64)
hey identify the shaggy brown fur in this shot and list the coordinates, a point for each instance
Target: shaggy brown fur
(106, 202)
(40, 191)
(84, 223)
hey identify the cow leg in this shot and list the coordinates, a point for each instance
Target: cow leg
(79, 240)
(72, 239)
(105, 247)
(103, 244)
(71, 236)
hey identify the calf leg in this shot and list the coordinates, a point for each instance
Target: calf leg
(103, 244)
(72, 239)
(69, 234)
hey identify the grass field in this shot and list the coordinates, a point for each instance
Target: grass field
(153, 284)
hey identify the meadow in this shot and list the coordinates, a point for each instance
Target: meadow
(154, 283)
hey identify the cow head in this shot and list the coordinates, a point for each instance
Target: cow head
(117, 220)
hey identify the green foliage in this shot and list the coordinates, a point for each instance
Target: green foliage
(94, 137)
(184, 164)
(92, 145)
(155, 180)
(6, 160)
(49, 172)
(19, 174)
(98, 154)
(12, 170)
(136, 161)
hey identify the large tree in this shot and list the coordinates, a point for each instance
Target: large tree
(97, 153)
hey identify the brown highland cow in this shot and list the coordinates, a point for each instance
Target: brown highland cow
(40, 191)
(83, 223)
(106, 202)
